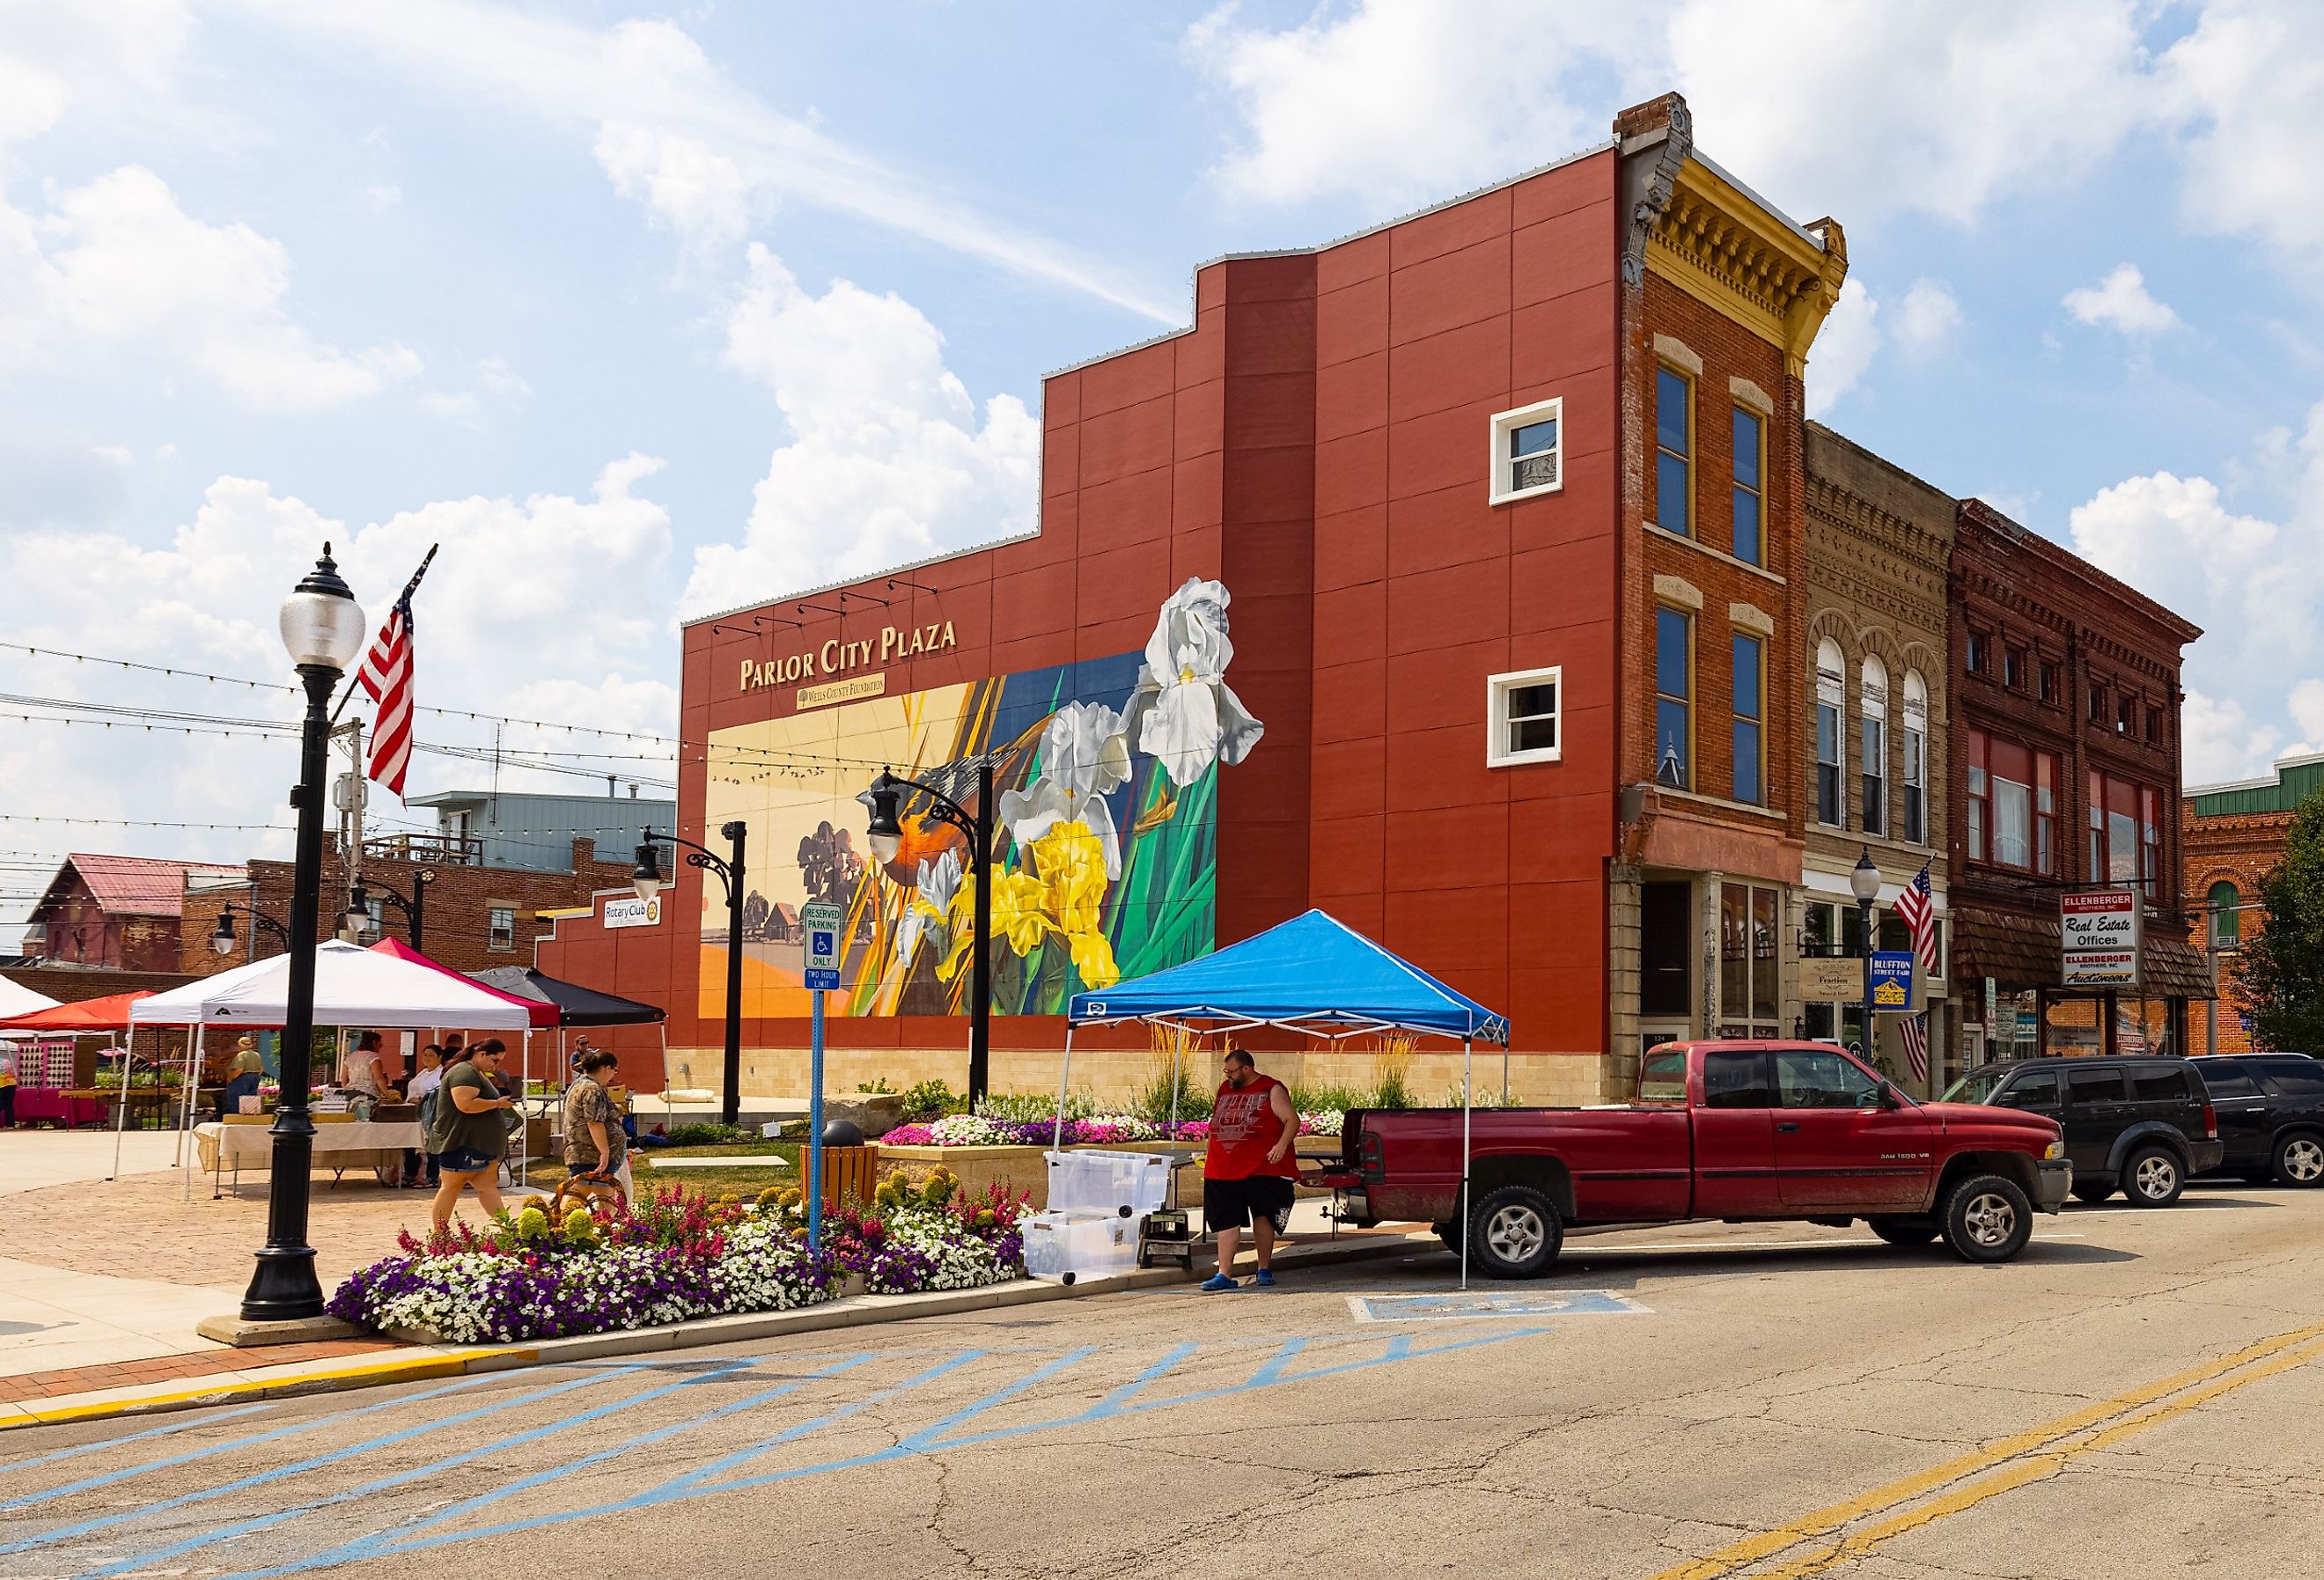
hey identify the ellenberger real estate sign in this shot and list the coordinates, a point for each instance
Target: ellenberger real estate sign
(2098, 933)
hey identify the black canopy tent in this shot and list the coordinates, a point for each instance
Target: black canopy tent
(576, 1005)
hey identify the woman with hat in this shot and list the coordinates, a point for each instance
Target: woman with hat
(241, 1077)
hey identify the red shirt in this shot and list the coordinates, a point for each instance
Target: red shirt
(1243, 1129)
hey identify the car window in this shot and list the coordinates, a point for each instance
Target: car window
(2033, 1089)
(1736, 1080)
(1662, 1078)
(1977, 1085)
(2094, 1085)
(2225, 1079)
(1809, 1078)
(2289, 1080)
(2159, 1083)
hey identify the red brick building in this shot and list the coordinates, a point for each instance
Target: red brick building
(2233, 837)
(115, 913)
(1500, 506)
(2064, 753)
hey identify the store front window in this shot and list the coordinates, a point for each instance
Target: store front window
(1751, 936)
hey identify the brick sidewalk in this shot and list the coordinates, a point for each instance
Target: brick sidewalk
(173, 1368)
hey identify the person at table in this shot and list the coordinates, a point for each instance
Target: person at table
(7, 1088)
(469, 1137)
(366, 1073)
(241, 1077)
(426, 1081)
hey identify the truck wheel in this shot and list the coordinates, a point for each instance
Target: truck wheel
(2299, 1161)
(1904, 1231)
(2092, 1191)
(1986, 1218)
(1449, 1231)
(1514, 1233)
(2151, 1178)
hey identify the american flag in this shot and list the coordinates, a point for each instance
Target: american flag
(1916, 908)
(1915, 1031)
(386, 674)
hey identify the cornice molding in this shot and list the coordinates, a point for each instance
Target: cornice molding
(1718, 243)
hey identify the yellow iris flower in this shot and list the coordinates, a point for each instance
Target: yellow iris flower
(1064, 893)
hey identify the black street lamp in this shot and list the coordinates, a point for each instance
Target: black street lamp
(323, 627)
(414, 910)
(1864, 882)
(646, 880)
(222, 941)
(885, 796)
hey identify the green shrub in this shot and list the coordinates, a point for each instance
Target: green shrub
(1483, 1096)
(1394, 1091)
(1151, 1101)
(931, 1099)
(877, 1087)
(1327, 1098)
(1033, 1107)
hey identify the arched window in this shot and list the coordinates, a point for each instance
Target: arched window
(1873, 741)
(2227, 926)
(1916, 759)
(1830, 698)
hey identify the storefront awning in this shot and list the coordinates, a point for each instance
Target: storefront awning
(2021, 952)
(2172, 968)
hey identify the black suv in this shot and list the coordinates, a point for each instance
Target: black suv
(2140, 1123)
(2271, 1109)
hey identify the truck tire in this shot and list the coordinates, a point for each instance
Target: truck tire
(2300, 1160)
(1986, 1218)
(1449, 1231)
(2152, 1176)
(2092, 1191)
(1514, 1233)
(1904, 1231)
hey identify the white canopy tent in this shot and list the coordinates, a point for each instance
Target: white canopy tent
(353, 987)
(15, 998)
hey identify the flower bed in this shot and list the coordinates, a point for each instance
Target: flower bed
(677, 1257)
(1098, 1129)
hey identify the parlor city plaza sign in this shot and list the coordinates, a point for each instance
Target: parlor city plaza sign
(839, 656)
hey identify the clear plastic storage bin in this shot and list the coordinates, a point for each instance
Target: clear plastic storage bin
(1123, 1184)
(1066, 1247)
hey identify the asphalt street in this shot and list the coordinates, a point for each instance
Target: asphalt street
(2137, 1396)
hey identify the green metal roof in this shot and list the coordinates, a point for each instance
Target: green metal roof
(2295, 779)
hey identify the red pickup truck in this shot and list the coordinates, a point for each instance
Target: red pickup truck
(1732, 1131)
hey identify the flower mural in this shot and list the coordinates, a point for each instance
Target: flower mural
(1104, 777)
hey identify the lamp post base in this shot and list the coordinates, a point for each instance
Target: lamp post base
(284, 1287)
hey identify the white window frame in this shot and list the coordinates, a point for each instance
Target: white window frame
(1831, 692)
(492, 929)
(1498, 689)
(1505, 423)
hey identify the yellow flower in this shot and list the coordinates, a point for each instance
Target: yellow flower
(1093, 958)
(1071, 863)
(1019, 914)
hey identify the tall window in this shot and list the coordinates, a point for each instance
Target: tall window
(1831, 697)
(1749, 458)
(1749, 994)
(1674, 450)
(1977, 649)
(2126, 831)
(1749, 704)
(1916, 757)
(2226, 930)
(2013, 801)
(1674, 698)
(1873, 744)
(501, 927)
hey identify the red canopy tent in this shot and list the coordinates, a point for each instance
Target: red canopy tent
(109, 1014)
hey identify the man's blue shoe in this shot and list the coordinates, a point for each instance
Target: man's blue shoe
(1265, 1279)
(1218, 1281)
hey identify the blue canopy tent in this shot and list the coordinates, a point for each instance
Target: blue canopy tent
(1314, 974)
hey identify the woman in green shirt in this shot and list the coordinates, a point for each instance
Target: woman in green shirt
(469, 1137)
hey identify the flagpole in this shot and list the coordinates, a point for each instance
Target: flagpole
(409, 587)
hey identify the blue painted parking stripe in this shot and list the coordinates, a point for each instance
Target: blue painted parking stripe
(1272, 1368)
(701, 1474)
(314, 1461)
(112, 1477)
(434, 1467)
(183, 1425)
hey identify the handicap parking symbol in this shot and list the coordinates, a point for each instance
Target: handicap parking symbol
(1474, 1305)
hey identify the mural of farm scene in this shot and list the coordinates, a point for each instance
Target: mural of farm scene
(1105, 776)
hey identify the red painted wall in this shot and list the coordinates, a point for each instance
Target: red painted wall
(1318, 441)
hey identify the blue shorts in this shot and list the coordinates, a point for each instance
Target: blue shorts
(457, 1162)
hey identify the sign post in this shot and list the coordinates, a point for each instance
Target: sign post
(819, 928)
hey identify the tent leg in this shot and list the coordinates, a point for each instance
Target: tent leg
(121, 1108)
(1064, 1079)
(1467, 1105)
(524, 1093)
(184, 1122)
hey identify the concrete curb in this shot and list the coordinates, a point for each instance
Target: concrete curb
(426, 1361)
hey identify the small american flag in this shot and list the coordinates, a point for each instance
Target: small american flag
(386, 674)
(1917, 907)
(1915, 1031)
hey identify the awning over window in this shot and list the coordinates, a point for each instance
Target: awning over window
(2172, 968)
(2021, 952)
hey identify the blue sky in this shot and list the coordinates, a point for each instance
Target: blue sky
(643, 312)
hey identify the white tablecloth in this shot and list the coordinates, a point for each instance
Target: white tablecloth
(231, 1147)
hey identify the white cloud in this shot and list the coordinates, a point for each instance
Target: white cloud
(671, 129)
(118, 263)
(2246, 83)
(118, 454)
(497, 384)
(115, 56)
(1927, 316)
(889, 458)
(384, 196)
(545, 607)
(1844, 347)
(2219, 742)
(2121, 303)
(1945, 108)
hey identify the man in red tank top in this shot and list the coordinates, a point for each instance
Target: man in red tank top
(1249, 1168)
